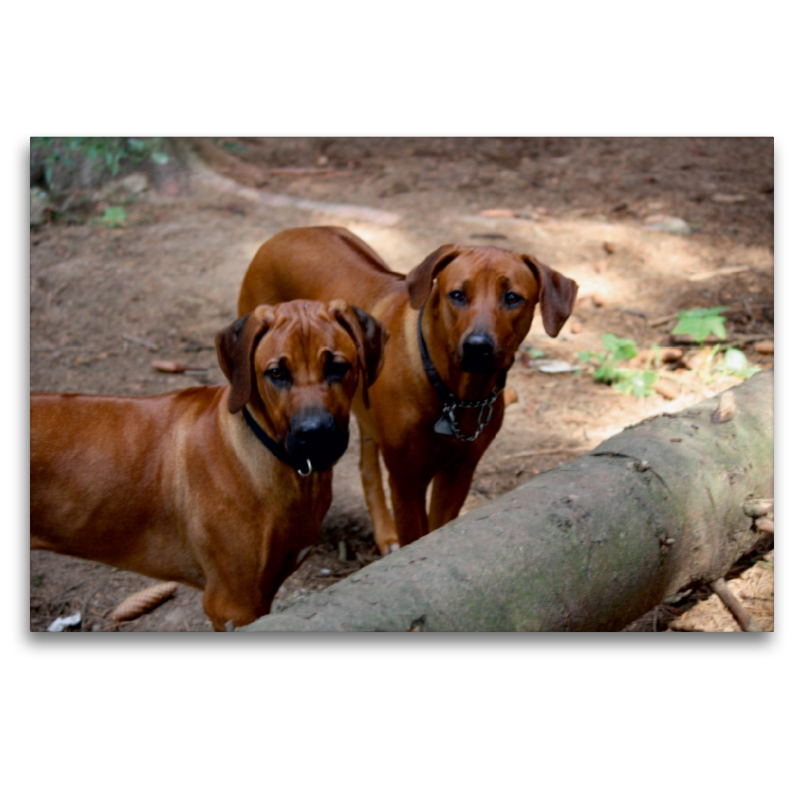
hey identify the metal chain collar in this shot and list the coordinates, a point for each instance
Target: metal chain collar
(484, 416)
(447, 424)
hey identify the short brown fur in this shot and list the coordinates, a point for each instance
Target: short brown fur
(326, 262)
(178, 487)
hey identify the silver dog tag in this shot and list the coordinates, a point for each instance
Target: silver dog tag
(443, 426)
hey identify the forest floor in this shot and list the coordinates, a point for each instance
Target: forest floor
(647, 227)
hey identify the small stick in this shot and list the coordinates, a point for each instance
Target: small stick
(654, 323)
(704, 276)
(746, 622)
(139, 340)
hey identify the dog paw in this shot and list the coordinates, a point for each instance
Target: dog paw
(393, 547)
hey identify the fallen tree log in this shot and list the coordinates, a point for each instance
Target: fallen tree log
(591, 545)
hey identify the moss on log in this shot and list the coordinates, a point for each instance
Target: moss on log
(589, 546)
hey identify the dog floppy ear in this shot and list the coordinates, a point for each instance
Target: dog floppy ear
(235, 346)
(370, 339)
(557, 295)
(420, 279)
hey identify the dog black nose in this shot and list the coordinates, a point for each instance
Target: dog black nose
(316, 436)
(479, 345)
(313, 430)
(478, 350)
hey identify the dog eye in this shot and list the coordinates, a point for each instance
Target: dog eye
(278, 375)
(336, 370)
(512, 299)
(458, 298)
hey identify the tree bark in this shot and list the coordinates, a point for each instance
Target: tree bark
(589, 546)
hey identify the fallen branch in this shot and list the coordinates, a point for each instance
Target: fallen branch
(713, 273)
(591, 545)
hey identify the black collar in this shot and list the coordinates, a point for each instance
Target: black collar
(448, 425)
(303, 469)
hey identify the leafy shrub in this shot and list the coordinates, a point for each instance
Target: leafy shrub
(111, 153)
(638, 382)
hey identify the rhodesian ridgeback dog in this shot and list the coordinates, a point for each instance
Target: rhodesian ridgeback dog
(223, 488)
(455, 323)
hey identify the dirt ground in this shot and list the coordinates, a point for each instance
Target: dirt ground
(107, 301)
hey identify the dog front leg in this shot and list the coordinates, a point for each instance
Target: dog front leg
(450, 490)
(372, 481)
(408, 501)
(221, 607)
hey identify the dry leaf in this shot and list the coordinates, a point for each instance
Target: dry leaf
(509, 396)
(497, 213)
(766, 347)
(728, 198)
(667, 388)
(725, 409)
(174, 366)
(143, 601)
(666, 355)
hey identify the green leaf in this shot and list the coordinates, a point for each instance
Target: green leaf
(735, 359)
(702, 312)
(159, 158)
(234, 147)
(619, 348)
(605, 373)
(638, 382)
(736, 364)
(700, 323)
(114, 216)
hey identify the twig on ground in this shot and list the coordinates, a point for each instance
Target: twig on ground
(139, 340)
(704, 276)
(746, 622)
(654, 323)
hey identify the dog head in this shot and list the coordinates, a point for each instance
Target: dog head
(298, 365)
(482, 301)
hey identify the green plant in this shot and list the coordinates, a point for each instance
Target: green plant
(234, 147)
(638, 382)
(617, 349)
(111, 152)
(114, 216)
(735, 363)
(700, 323)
